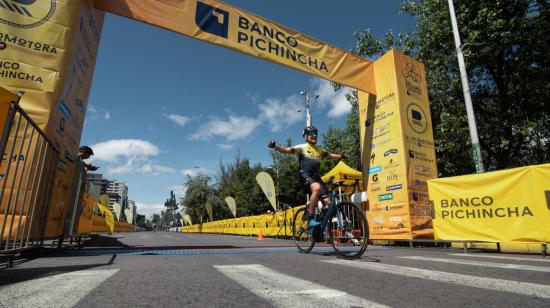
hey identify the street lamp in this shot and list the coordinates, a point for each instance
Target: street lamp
(308, 107)
(476, 149)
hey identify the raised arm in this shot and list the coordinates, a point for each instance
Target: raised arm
(279, 148)
(335, 156)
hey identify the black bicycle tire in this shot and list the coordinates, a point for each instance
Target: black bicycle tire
(298, 217)
(347, 255)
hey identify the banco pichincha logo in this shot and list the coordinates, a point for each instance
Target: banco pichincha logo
(26, 14)
(212, 19)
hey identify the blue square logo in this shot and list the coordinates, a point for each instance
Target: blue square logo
(212, 20)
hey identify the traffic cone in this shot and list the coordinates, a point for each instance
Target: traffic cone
(260, 236)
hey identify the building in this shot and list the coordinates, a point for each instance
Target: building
(140, 220)
(133, 209)
(118, 193)
(97, 185)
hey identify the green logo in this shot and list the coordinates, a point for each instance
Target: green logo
(385, 197)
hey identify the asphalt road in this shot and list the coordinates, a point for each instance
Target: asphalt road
(164, 269)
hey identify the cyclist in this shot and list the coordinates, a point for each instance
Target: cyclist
(309, 157)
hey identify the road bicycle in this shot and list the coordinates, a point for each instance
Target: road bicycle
(343, 224)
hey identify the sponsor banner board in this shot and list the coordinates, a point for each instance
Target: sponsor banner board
(222, 24)
(503, 206)
(48, 50)
(389, 122)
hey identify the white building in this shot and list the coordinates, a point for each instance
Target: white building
(118, 193)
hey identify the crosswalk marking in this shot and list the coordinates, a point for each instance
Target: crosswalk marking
(287, 291)
(518, 287)
(63, 290)
(482, 263)
(500, 257)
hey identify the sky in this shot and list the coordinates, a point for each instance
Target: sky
(164, 106)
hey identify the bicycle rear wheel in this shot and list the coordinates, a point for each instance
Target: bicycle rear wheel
(349, 230)
(302, 237)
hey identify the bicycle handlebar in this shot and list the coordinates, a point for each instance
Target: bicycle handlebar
(331, 185)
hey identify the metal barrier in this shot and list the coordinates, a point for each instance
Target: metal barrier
(70, 229)
(27, 172)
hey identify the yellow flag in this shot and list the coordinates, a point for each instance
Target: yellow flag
(117, 209)
(187, 219)
(103, 206)
(232, 205)
(266, 183)
(109, 219)
(209, 210)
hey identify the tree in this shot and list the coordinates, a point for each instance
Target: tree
(238, 180)
(197, 194)
(171, 207)
(506, 54)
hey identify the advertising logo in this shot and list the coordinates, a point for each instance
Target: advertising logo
(390, 152)
(375, 178)
(212, 20)
(392, 177)
(417, 118)
(385, 197)
(375, 169)
(34, 14)
(372, 156)
(409, 72)
(394, 187)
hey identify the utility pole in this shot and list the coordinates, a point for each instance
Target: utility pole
(308, 106)
(476, 149)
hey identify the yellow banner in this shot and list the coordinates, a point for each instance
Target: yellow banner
(109, 218)
(503, 206)
(232, 205)
(268, 187)
(48, 50)
(397, 149)
(230, 27)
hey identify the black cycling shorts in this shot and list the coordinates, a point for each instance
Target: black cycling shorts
(308, 179)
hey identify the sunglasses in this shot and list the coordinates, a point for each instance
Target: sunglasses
(312, 134)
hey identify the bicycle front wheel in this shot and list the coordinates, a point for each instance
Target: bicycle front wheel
(302, 236)
(349, 230)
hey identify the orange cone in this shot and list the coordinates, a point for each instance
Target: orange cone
(260, 236)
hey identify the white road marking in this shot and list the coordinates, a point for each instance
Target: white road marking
(63, 290)
(518, 287)
(287, 291)
(500, 257)
(482, 263)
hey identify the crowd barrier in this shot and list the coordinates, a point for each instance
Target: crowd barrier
(274, 224)
(27, 170)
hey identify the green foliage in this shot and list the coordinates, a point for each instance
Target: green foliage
(506, 53)
(344, 141)
(238, 180)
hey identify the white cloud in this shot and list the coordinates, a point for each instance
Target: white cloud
(336, 101)
(178, 119)
(193, 171)
(234, 128)
(133, 149)
(226, 147)
(129, 156)
(148, 209)
(94, 113)
(280, 114)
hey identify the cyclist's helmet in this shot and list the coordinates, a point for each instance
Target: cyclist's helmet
(86, 149)
(308, 130)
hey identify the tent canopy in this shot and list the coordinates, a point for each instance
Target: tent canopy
(343, 172)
